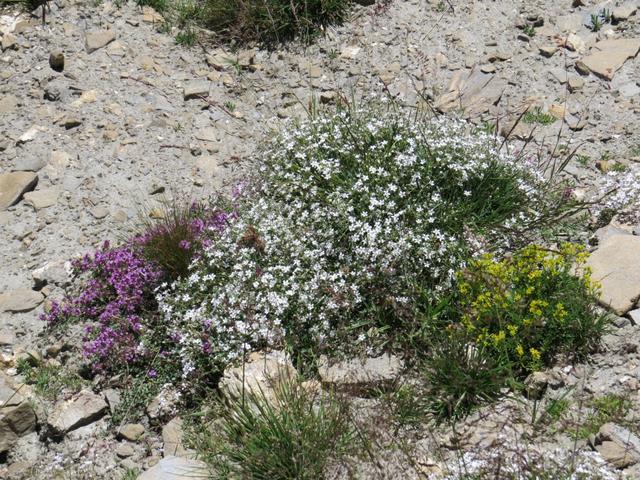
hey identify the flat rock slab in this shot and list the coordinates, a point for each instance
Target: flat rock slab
(616, 265)
(356, 371)
(610, 55)
(20, 300)
(15, 421)
(196, 89)
(624, 11)
(176, 468)
(618, 446)
(13, 185)
(40, 199)
(83, 410)
(172, 434)
(474, 92)
(98, 39)
(8, 395)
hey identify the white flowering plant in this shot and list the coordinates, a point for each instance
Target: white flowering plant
(350, 237)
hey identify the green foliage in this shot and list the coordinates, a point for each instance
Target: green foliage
(48, 380)
(598, 20)
(536, 115)
(271, 21)
(462, 376)
(406, 404)
(135, 397)
(583, 160)
(529, 30)
(605, 409)
(186, 37)
(131, 474)
(556, 409)
(293, 434)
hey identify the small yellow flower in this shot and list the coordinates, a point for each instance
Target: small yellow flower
(536, 307)
(498, 338)
(535, 274)
(560, 312)
(535, 354)
(513, 330)
(520, 350)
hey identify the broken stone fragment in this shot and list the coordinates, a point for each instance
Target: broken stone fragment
(610, 55)
(98, 39)
(40, 199)
(82, 410)
(13, 185)
(196, 89)
(20, 300)
(615, 265)
(356, 371)
(262, 375)
(618, 446)
(176, 468)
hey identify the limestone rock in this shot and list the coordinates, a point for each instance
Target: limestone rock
(98, 39)
(17, 418)
(131, 431)
(382, 369)
(615, 265)
(20, 300)
(8, 103)
(163, 404)
(56, 60)
(176, 468)
(610, 55)
(548, 51)
(9, 40)
(15, 421)
(474, 93)
(172, 438)
(40, 199)
(196, 89)
(55, 272)
(618, 446)
(624, 11)
(13, 185)
(262, 374)
(86, 408)
(125, 450)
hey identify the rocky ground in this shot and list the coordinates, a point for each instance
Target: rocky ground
(102, 116)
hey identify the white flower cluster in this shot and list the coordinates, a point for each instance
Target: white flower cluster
(622, 193)
(355, 217)
(530, 464)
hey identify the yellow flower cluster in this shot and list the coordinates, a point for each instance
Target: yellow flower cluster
(514, 305)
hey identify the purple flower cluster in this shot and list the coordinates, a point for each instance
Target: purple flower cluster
(118, 291)
(116, 302)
